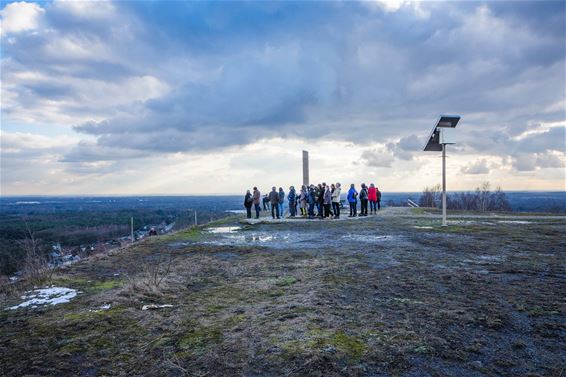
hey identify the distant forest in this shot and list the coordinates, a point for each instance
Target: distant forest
(73, 228)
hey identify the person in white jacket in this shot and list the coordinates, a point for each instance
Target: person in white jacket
(336, 200)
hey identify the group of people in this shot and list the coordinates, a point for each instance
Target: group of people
(322, 197)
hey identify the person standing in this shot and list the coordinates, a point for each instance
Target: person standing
(320, 201)
(248, 201)
(303, 200)
(353, 201)
(281, 201)
(311, 199)
(327, 201)
(274, 200)
(336, 201)
(292, 198)
(372, 197)
(364, 200)
(266, 202)
(378, 198)
(257, 198)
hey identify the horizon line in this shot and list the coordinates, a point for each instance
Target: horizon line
(232, 194)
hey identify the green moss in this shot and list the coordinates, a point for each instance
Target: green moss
(350, 345)
(214, 308)
(285, 281)
(422, 349)
(105, 285)
(274, 292)
(93, 315)
(538, 311)
(201, 338)
(235, 320)
(193, 233)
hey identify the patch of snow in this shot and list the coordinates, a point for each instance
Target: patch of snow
(46, 296)
(223, 229)
(101, 308)
(155, 306)
(423, 227)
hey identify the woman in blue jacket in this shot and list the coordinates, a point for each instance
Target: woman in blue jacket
(353, 200)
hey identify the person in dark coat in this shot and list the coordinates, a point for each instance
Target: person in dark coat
(364, 200)
(311, 200)
(378, 198)
(274, 201)
(292, 198)
(320, 200)
(248, 201)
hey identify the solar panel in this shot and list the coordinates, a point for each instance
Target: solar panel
(433, 143)
(448, 121)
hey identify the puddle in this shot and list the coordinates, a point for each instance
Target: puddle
(366, 238)
(46, 296)
(224, 229)
(469, 222)
(514, 222)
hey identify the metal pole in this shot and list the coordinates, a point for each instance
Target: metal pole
(132, 228)
(443, 184)
(196, 218)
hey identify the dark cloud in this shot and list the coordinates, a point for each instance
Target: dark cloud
(228, 75)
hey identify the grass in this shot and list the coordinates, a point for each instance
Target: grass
(434, 300)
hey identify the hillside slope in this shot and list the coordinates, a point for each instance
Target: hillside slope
(393, 294)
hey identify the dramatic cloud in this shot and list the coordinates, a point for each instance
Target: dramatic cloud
(139, 82)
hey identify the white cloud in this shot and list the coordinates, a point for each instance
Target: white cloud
(97, 9)
(20, 16)
(477, 167)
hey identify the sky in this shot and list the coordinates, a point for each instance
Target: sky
(141, 97)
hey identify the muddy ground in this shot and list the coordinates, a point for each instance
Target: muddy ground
(390, 295)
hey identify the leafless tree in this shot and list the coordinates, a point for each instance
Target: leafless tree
(36, 269)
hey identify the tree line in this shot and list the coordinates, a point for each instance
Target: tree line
(482, 199)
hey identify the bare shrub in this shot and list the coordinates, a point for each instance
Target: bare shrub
(151, 275)
(36, 269)
(430, 196)
(482, 199)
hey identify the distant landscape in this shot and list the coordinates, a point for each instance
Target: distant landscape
(104, 222)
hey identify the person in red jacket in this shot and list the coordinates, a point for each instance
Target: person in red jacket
(372, 197)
